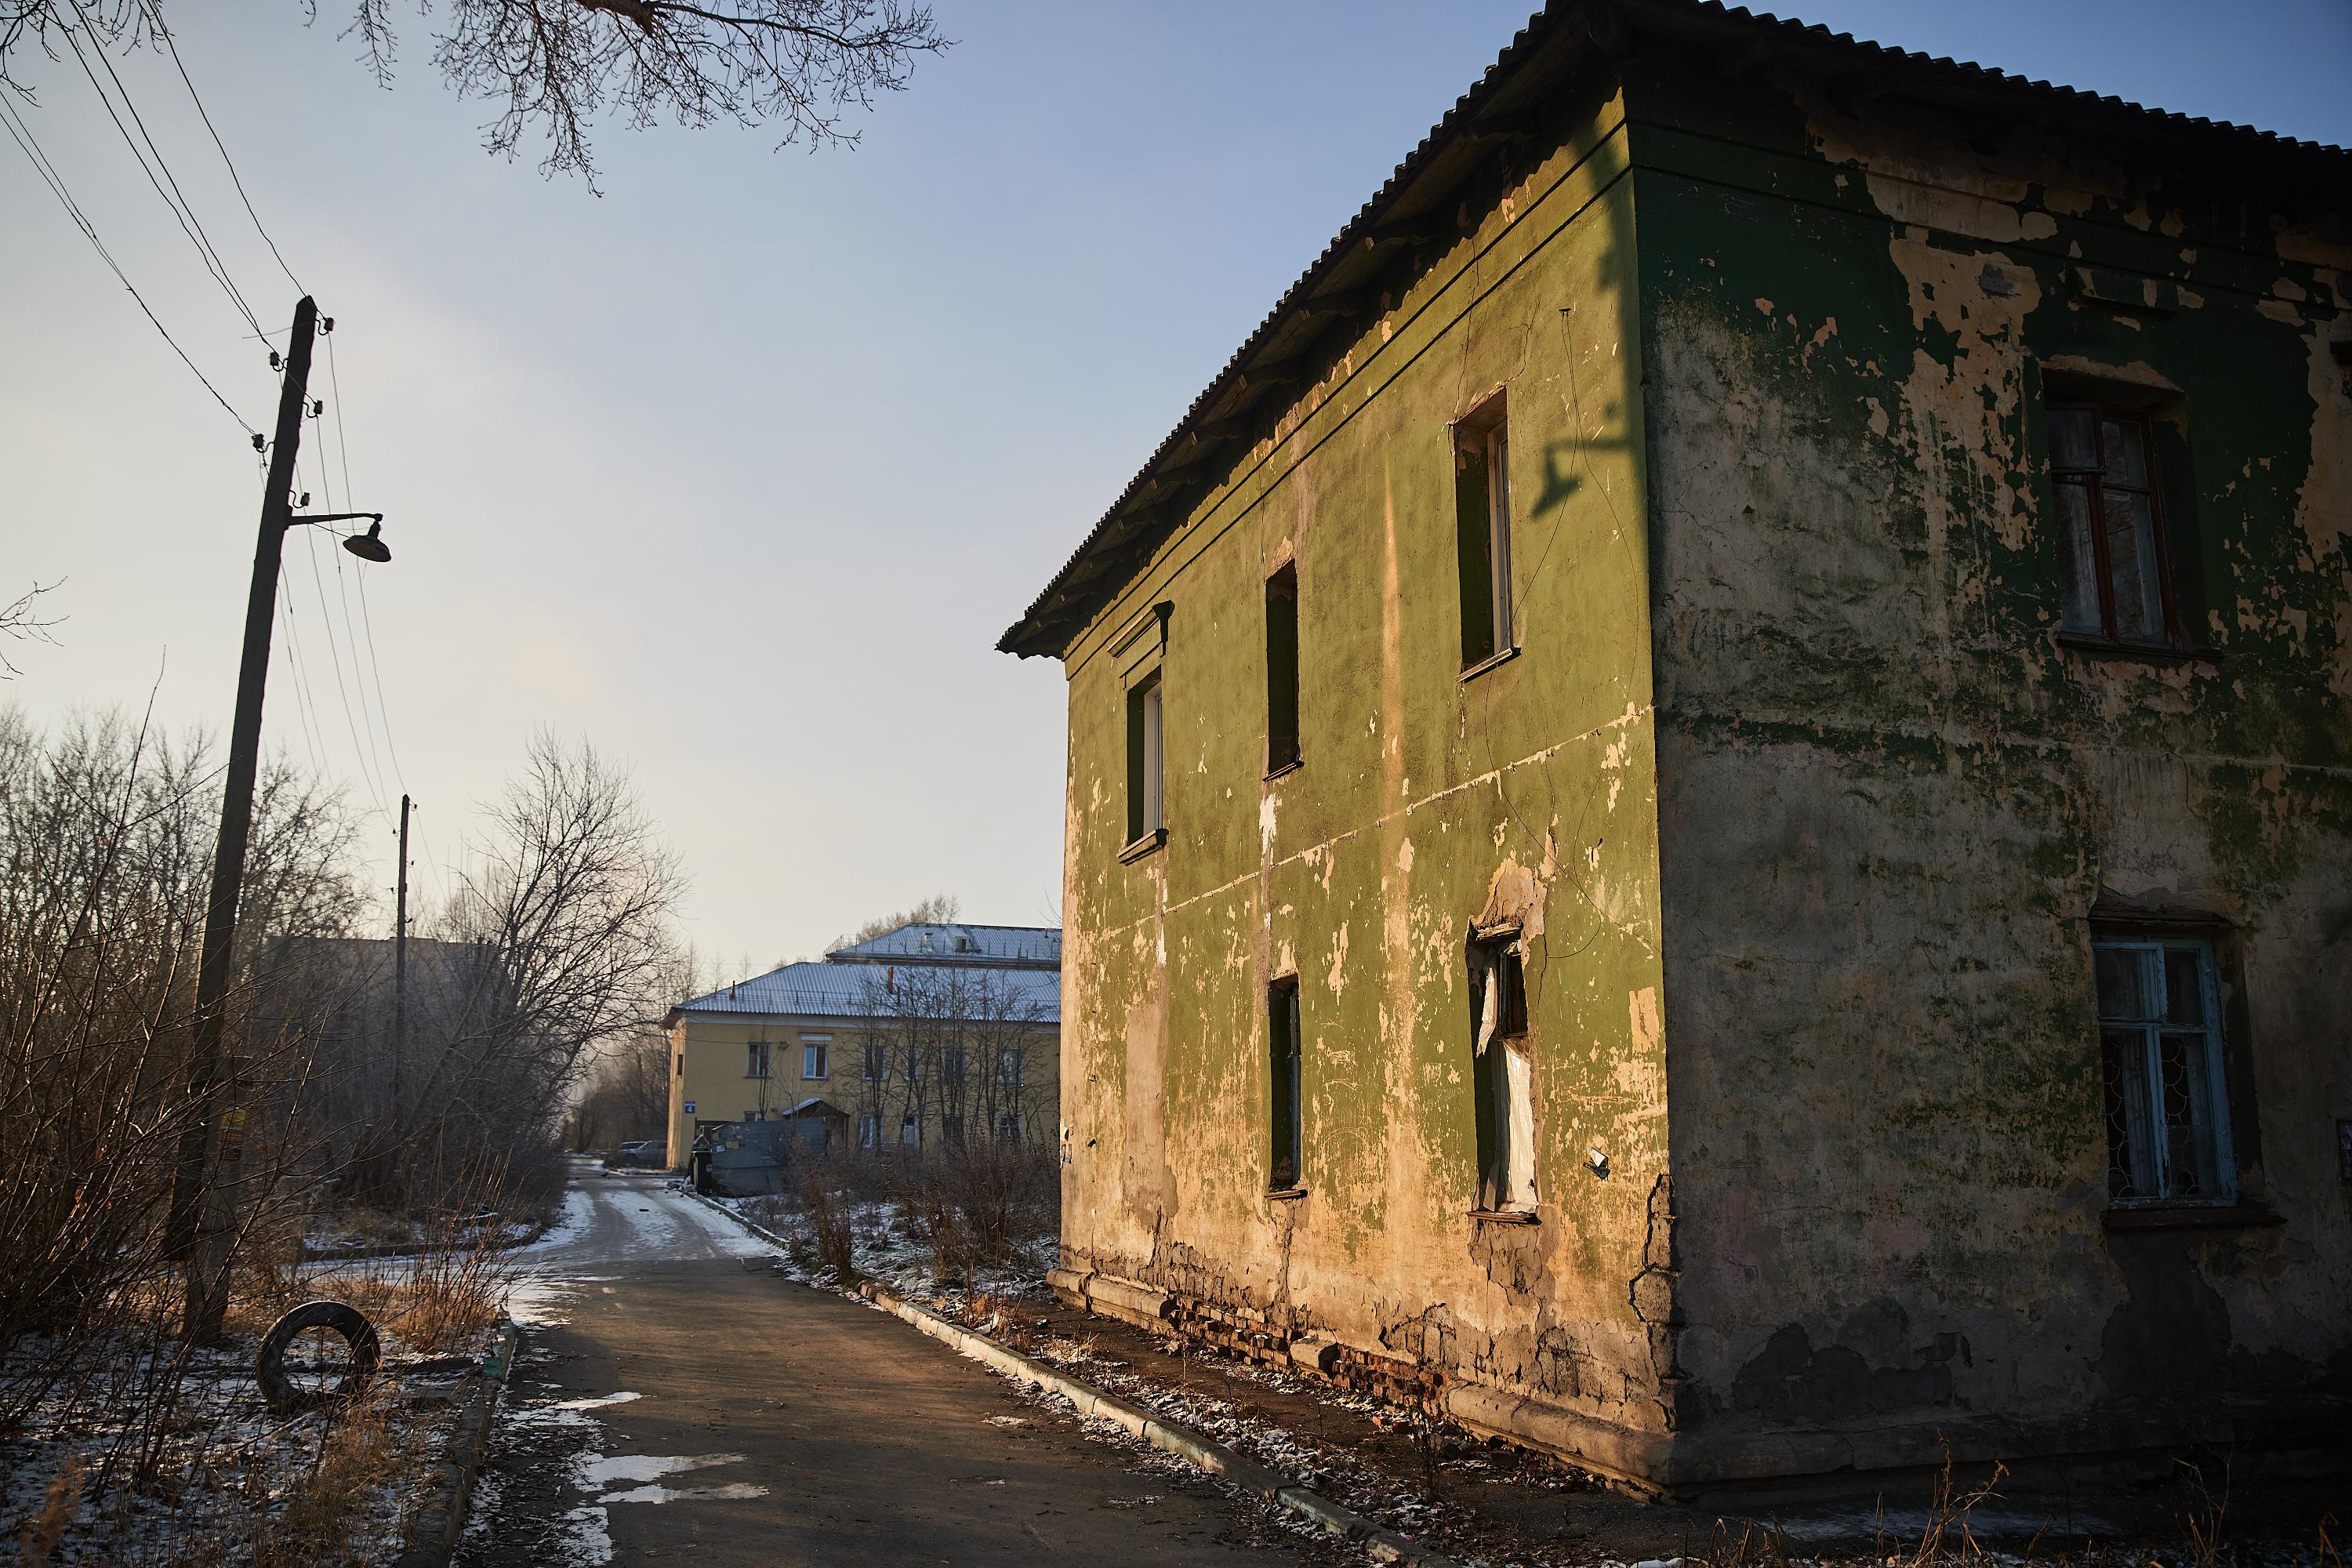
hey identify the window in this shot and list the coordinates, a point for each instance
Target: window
(1502, 1073)
(681, 1064)
(816, 1053)
(951, 1129)
(909, 1129)
(878, 1063)
(1286, 1168)
(2116, 571)
(869, 1129)
(755, 1058)
(1009, 1063)
(2160, 1053)
(951, 1065)
(1008, 1126)
(1144, 817)
(1282, 670)
(1481, 520)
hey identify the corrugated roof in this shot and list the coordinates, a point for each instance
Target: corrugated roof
(1076, 592)
(856, 992)
(921, 942)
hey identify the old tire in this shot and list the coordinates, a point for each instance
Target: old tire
(269, 1365)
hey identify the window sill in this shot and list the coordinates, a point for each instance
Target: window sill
(1291, 766)
(1504, 1217)
(1489, 662)
(2192, 1216)
(1143, 845)
(2143, 653)
(1285, 1195)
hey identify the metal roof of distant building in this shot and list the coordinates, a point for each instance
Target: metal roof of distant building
(949, 942)
(1137, 520)
(847, 991)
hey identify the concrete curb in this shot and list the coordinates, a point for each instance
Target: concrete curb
(1381, 1545)
(1215, 1458)
(434, 1529)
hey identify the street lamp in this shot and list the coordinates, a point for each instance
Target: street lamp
(202, 1225)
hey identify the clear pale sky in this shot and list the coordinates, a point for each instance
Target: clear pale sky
(740, 468)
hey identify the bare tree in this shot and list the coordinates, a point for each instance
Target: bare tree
(552, 67)
(20, 619)
(560, 940)
(940, 908)
(963, 1048)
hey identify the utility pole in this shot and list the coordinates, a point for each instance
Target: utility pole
(400, 972)
(202, 1223)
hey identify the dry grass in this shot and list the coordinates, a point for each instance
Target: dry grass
(58, 1505)
(320, 1521)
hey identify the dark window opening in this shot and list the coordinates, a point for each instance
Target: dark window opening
(2162, 1067)
(1143, 761)
(2115, 561)
(755, 1058)
(1502, 1073)
(1482, 519)
(1281, 670)
(1286, 1168)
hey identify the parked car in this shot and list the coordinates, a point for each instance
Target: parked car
(647, 1154)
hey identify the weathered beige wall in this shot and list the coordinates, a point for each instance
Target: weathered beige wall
(1424, 802)
(1890, 800)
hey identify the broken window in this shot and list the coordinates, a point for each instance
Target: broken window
(2160, 1054)
(1502, 1073)
(1286, 1170)
(1144, 817)
(816, 1053)
(2117, 574)
(1281, 670)
(755, 1058)
(1482, 519)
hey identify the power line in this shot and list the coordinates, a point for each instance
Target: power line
(22, 136)
(155, 19)
(190, 225)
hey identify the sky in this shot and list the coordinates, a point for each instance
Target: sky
(739, 468)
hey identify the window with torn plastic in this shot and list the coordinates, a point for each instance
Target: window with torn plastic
(2160, 1054)
(1503, 1074)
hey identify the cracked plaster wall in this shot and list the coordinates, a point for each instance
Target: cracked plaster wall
(1890, 800)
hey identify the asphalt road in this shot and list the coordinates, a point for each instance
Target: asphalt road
(679, 1399)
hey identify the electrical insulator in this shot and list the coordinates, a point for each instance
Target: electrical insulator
(258, 442)
(318, 407)
(327, 324)
(306, 499)
(275, 363)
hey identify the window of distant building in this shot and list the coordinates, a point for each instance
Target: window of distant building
(2167, 1094)
(816, 1054)
(1008, 1126)
(755, 1059)
(1282, 670)
(1286, 1168)
(1481, 520)
(878, 1062)
(869, 1129)
(2117, 559)
(1009, 1063)
(1502, 1073)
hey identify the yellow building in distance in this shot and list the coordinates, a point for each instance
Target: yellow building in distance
(925, 1036)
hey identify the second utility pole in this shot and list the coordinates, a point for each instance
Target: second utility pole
(400, 973)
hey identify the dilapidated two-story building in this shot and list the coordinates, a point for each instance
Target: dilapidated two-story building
(1710, 788)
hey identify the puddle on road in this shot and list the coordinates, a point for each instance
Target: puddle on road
(595, 1403)
(595, 1472)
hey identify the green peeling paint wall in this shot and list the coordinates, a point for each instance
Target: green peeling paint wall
(1893, 805)
(1424, 802)
(1803, 811)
